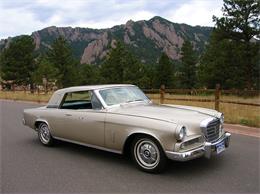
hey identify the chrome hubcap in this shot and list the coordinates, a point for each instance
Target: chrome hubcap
(147, 153)
(44, 133)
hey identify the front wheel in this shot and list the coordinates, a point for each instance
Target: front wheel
(45, 135)
(148, 154)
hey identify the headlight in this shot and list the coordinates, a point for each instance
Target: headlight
(222, 118)
(180, 133)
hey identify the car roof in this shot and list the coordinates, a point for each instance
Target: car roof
(58, 95)
(89, 87)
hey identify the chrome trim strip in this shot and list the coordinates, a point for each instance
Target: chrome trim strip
(190, 109)
(205, 150)
(96, 92)
(147, 117)
(23, 120)
(88, 145)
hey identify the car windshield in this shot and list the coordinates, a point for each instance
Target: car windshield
(120, 95)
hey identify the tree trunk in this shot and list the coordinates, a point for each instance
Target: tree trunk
(248, 67)
(32, 87)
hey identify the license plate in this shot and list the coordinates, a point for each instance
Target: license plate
(220, 147)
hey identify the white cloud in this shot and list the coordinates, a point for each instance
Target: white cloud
(198, 12)
(25, 16)
(16, 23)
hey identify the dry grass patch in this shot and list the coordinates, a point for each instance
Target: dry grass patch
(25, 96)
(234, 113)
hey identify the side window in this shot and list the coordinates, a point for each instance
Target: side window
(77, 100)
(81, 100)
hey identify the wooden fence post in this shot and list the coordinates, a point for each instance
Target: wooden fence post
(45, 84)
(217, 97)
(162, 93)
(38, 90)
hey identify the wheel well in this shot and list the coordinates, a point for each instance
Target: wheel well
(37, 124)
(129, 140)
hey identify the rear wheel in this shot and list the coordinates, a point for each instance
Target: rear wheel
(45, 135)
(148, 154)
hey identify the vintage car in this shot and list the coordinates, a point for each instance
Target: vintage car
(122, 119)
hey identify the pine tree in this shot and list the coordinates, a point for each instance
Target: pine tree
(60, 55)
(165, 71)
(17, 61)
(89, 74)
(112, 67)
(44, 69)
(121, 66)
(232, 58)
(188, 66)
(221, 64)
(241, 22)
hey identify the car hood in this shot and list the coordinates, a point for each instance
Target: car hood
(183, 115)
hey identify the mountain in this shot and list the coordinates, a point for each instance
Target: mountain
(145, 38)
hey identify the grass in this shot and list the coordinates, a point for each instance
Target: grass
(234, 113)
(25, 96)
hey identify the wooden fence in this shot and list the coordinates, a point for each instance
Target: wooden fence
(217, 95)
(162, 92)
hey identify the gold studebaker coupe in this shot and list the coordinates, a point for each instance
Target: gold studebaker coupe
(122, 119)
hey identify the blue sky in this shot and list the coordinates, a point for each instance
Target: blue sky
(25, 16)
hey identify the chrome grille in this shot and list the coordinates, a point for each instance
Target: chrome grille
(212, 130)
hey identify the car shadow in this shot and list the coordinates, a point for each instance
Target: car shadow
(194, 167)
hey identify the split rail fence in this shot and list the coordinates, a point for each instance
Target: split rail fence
(163, 95)
(216, 100)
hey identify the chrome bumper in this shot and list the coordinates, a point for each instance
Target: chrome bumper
(23, 121)
(206, 150)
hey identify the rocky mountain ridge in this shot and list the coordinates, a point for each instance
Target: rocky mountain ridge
(146, 39)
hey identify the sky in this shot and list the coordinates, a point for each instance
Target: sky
(26, 16)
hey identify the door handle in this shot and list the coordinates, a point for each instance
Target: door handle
(68, 114)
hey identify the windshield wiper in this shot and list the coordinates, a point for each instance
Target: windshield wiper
(137, 100)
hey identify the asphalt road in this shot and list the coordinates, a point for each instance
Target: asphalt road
(29, 167)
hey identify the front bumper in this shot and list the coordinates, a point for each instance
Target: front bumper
(206, 150)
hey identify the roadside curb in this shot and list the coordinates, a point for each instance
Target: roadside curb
(243, 130)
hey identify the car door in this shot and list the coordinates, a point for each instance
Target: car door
(80, 118)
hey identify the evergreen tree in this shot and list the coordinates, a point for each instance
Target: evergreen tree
(61, 57)
(165, 71)
(44, 69)
(221, 64)
(240, 20)
(89, 74)
(121, 66)
(149, 77)
(232, 58)
(17, 61)
(188, 66)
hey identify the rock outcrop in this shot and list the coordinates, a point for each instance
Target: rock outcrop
(146, 39)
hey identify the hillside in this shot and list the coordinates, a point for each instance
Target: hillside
(146, 39)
